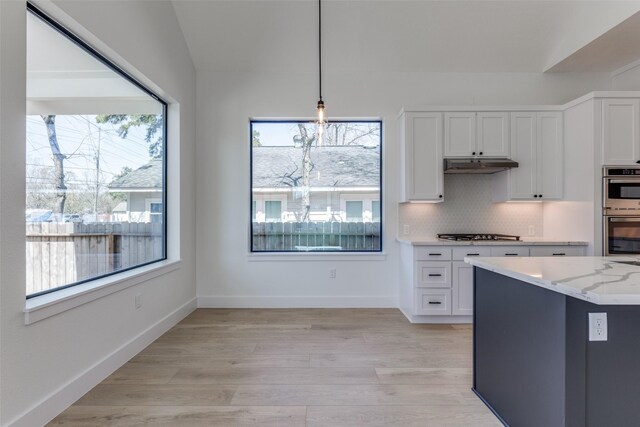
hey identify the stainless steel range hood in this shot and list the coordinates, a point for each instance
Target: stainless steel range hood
(478, 165)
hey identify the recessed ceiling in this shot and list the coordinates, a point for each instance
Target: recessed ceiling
(388, 36)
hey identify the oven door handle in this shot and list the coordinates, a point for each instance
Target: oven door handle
(635, 219)
(622, 181)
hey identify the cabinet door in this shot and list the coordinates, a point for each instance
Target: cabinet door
(509, 250)
(460, 134)
(462, 289)
(430, 274)
(620, 137)
(522, 180)
(556, 250)
(549, 155)
(423, 174)
(493, 134)
(432, 302)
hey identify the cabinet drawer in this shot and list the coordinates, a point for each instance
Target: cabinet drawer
(433, 274)
(433, 254)
(510, 251)
(432, 302)
(460, 253)
(556, 250)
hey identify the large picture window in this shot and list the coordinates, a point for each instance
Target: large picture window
(316, 189)
(95, 164)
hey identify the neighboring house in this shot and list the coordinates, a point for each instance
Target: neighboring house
(143, 188)
(344, 183)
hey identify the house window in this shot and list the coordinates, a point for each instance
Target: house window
(273, 210)
(95, 162)
(354, 210)
(375, 210)
(316, 189)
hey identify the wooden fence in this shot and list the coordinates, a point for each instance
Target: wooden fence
(63, 253)
(316, 236)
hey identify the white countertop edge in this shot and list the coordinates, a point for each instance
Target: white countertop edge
(556, 287)
(541, 242)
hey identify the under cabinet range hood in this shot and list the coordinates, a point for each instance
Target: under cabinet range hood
(478, 165)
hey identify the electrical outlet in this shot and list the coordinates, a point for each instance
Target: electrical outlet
(332, 273)
(138, 301)
(405, 229)
(598, 327)
(532, 230)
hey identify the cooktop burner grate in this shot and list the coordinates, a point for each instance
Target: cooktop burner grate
(475, 237)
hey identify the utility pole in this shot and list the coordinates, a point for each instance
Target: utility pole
(95, 206)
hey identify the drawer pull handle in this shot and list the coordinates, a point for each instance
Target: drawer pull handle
(559, 254)
(510, 254)
(435, 302)
(473, 254)
(435, 254)
(435, 275)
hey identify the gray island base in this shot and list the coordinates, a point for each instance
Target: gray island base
(533, 362)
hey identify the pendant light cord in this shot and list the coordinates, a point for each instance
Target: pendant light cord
(320, 47)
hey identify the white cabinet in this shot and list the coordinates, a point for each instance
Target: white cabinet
(437, 285)
(620, 135)
(459, 134)
(556, 251)
(493, 134)
(536, 144)
(462, 292)
(423, 177)
(469, 134)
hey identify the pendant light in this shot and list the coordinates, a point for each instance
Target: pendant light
(320, 107)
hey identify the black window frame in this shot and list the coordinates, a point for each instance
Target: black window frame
(295, 121)
(55, 25)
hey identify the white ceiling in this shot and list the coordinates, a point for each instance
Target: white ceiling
(393, 35)
(64, 79)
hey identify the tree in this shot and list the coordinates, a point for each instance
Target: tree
(58, 163)
(255, 139)
(334, 134)
(153, 122)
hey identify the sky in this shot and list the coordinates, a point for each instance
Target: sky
(80, 138)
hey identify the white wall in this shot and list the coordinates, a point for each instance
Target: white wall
(468, 208)
(629, 80)
(226, 101)
(40, 359)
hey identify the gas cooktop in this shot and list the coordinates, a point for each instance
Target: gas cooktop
(476, 237)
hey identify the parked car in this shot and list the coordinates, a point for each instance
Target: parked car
(39, 215)
(72, 218)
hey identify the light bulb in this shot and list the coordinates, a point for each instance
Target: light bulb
(320, 112)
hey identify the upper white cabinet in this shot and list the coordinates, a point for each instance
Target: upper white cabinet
(468, 134)
(423, 177)
(620, 136)
(536, 144)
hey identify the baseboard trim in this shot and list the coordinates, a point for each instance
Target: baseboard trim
(297, 302)
(437, 319)
(48, 408)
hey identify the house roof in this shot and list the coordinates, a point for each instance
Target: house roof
(333, 166)
(148, 176)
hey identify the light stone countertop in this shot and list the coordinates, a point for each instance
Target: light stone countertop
(598, 280)
(433, 241)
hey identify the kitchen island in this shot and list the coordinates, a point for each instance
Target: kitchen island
(534, 363)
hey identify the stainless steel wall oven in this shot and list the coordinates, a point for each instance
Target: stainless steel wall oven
(621, 210)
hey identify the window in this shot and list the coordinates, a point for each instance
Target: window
(96, 164)
(354, 210)
(315, 190)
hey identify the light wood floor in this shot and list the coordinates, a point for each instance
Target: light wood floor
(285, 367)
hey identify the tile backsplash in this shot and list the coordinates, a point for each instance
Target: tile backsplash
(468, 208)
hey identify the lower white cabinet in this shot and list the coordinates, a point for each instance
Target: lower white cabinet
(462, 293)
(437, 285)
(433, 302)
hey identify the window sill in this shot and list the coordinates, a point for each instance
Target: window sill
(315, 256)
(42, 307)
